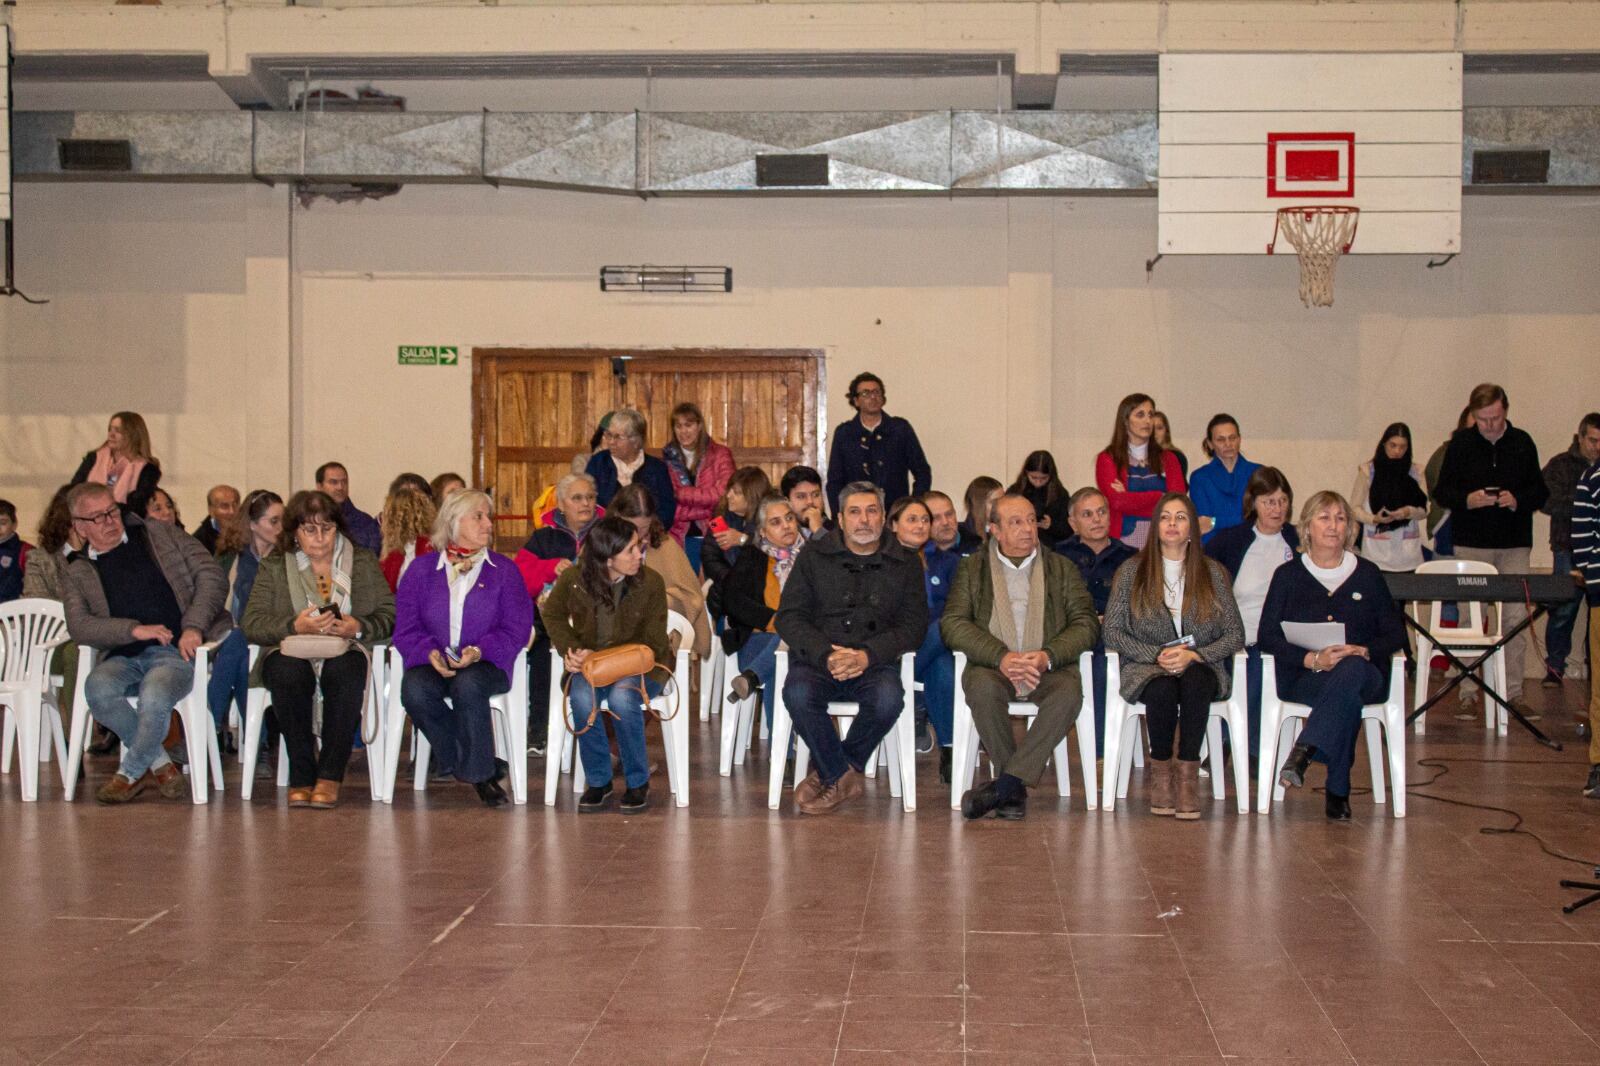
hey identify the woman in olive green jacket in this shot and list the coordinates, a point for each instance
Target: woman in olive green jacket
(609, 599)
(317, 582)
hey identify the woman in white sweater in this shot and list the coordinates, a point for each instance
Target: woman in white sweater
(1390, 502)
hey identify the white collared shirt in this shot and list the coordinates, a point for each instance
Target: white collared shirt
(96, 554)
(458, 594)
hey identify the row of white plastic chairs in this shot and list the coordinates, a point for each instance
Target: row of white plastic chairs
(32, 721)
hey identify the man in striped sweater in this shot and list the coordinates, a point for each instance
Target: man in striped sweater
(1586, 559)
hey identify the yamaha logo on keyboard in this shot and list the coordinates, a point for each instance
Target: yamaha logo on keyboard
(1473, 582)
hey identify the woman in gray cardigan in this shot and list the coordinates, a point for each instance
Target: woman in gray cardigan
(1172, 620)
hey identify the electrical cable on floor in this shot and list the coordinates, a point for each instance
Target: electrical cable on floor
(1515, 829)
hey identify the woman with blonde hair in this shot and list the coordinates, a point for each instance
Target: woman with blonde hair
(407, 521)
(1330, 583)
(123, 463)
(1172, 619)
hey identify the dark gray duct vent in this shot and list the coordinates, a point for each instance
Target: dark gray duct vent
(1511, 167)
(96, 156)
(796, 169)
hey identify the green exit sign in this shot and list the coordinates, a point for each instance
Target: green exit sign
(429, 355)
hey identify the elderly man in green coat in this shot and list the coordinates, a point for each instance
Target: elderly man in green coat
(1022, 617)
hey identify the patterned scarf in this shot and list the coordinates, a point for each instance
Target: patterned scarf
(462, 561)
(782, 558)
(303, 584)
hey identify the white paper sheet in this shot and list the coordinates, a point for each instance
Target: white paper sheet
(1314, 636)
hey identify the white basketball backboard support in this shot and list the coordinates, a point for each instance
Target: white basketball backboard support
(1242, 135)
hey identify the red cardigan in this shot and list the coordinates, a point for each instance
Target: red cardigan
(390, 564)
(1133, 504)
(697, 501)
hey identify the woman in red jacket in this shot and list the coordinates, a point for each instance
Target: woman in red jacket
(700, 471)
(1135, 470)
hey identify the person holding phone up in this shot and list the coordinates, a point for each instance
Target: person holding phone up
(1173, 620)
(463, 617)
(1389, 502)
(316, 582)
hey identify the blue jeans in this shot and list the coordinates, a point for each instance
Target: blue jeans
(230, 678)
(625, 701)
(1558, 630)
(157, 678)
(808, 690)
(760, 654)
(936, 668)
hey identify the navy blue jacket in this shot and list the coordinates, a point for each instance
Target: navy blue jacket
(1097, 570)
(1370, 616)
(939, 571)
(890, 457)
(1229, 546)
(653, 475)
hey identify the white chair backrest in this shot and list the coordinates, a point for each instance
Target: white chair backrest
(1430, 610)
(26, 627)
(682, 628)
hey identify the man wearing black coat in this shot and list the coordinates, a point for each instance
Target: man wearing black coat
(851, 608)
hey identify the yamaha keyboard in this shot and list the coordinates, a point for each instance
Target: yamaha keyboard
(1485, 588)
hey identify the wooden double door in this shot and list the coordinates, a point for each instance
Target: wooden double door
(533, 409)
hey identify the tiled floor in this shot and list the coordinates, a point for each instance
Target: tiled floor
(435, 931)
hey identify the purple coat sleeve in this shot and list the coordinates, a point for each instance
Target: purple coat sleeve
(411, 633)
(510, 621)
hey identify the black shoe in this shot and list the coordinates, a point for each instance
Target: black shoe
(491, 793)
(1293, 774)
(502, 770)
(636, 799)
(980, 802)
(944, 766)
(594, 798)
(225, 742)
(1337, 807)
(1013, 810)
(1592, 787)
(1550, 680)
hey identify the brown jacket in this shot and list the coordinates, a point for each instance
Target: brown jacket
(198, 584)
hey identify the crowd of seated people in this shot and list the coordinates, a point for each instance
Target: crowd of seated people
(1172, 570)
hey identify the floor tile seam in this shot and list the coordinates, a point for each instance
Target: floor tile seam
(728, 1002)
(1576, 1024)
(1077, 979)
(1166, 923)
(855, 956)
(1321, 1007)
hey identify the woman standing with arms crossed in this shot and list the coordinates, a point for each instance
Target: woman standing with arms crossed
(1135, 470)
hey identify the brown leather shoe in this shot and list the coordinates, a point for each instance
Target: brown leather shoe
(849, 786)
(853, 785)
(1188, 790)
(809, 788)
(300, 797)
(325, 797)
(1161, 791)
(170, 782)
(120, 790)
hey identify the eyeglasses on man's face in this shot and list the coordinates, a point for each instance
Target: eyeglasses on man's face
(101, 518)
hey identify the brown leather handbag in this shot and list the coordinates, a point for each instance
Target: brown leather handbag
(607, 667)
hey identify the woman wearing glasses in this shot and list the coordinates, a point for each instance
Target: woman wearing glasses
(317, 583)
(622, 462)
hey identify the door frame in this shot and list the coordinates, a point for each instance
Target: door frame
(815, 406)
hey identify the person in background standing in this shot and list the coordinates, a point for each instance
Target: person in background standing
(1218, 488)
(1135, 470)
(1561, 476)
(334, 479)
(1390, 503)
(1162, 429)
(123, 463)
(1586, 559)
(876, 447)
(1040, 483)
(1438, 514)
(700, 471)
(222, 503)
(982, 491)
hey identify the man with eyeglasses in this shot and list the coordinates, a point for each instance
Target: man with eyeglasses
(876, 447)
(145, 595)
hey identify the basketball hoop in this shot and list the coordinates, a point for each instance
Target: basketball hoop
(1319, 236)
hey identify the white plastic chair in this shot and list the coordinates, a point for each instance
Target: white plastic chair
(194, 711)
(508, 716)
(712, 669)
(30, 630)
(964, 739)
(899, 747)
(377, 706)
(1280, 725)
(561, 755)
(738, 726)
(1123, 722)
(1472, 636)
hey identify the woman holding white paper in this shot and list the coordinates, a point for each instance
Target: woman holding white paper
(1172, 618)
(1330, 584)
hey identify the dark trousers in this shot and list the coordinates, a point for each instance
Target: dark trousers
(1252, 692)
(1097, 687)
(461, 732)
(1336, 697)
(1179, 705)
(808, 690)
(538, 688)
(1059, 697)
(293, 685)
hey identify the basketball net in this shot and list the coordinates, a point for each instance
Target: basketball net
(1319, 236)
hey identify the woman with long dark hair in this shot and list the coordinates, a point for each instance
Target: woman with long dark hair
(607, 600)
(663, 555)
(1039, 481)
(1135, 469)
(242, 543)
(1172, 619)
(981, 492)
(1390, 503)
(123, 463)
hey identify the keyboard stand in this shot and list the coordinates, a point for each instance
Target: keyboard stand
(1464, 670)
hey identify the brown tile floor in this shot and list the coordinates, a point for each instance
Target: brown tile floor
(437, 932)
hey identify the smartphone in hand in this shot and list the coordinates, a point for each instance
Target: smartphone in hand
(331, 608)
(719, 524)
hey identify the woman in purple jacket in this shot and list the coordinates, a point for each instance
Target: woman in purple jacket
(462, 619)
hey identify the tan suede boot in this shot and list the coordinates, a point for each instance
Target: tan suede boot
(1188, 790)
(1161, 787)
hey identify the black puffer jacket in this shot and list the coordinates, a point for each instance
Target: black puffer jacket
(833, 596)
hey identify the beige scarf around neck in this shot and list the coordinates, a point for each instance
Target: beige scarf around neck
(1002, 619)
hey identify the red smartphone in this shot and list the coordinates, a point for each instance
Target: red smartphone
(719, 525)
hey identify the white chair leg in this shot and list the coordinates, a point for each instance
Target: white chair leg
(26, 715)
(1372, 733)
(1419, 688)
(1219, 785)
(1112, 755)
(963, 739)
(283, 762)
(782, 728)
(1265, 767)
(1288, 730)
(1087, 756)
(419, 768)
(748, 712)
(1133, 727)
(8, 736)
(255, 703)
(729, 738)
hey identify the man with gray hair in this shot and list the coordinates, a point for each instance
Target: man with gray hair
(622, 461)
(851, 608)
